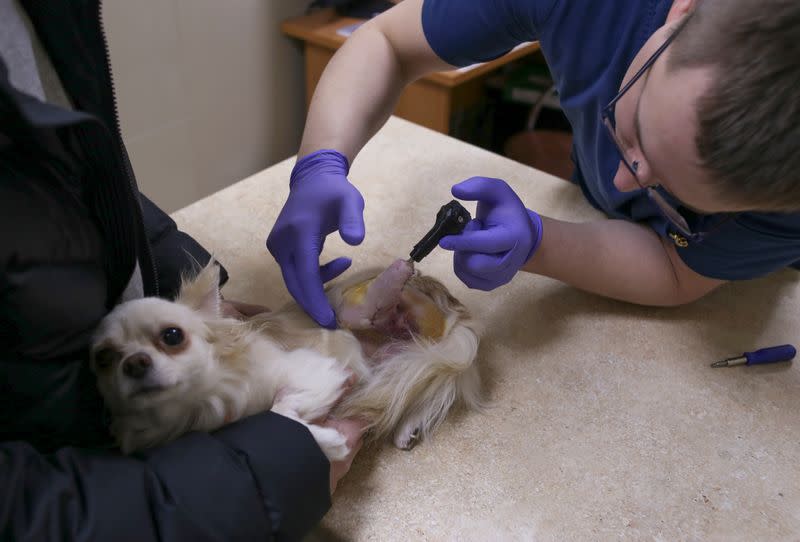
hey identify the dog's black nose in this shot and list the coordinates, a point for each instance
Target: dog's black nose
(137, 365)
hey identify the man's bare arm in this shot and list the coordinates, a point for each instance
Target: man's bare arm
(361, 84)
(618, 259)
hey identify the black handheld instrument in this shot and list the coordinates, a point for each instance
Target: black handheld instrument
(450, 220)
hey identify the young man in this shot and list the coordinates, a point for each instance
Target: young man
(686, 120)
(76, 237)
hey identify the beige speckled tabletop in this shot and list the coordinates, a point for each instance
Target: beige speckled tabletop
(606, 420)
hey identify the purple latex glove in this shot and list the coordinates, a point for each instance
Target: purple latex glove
(321, 201)
(499, 240)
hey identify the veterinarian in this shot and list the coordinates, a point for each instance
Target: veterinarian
(76, 237)
(686, 124)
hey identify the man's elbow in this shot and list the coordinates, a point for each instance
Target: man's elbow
(679, 298)
(686, 284)
(687, 290)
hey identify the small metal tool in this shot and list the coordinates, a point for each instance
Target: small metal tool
(450, 220)
(773, 354)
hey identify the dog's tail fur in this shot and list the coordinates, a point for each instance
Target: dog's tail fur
(420, 384)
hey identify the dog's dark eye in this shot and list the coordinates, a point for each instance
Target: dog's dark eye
(172, 336)
(105, 357)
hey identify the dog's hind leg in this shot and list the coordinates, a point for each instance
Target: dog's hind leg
(408, 433)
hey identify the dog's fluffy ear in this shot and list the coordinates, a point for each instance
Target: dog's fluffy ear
(201, 292)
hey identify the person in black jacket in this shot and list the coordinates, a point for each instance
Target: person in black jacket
(76, 238)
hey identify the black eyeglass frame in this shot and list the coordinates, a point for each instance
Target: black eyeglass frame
(609, 120)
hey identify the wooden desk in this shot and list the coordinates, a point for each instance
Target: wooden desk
(430, 101)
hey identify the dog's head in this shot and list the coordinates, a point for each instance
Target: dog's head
(150, 351)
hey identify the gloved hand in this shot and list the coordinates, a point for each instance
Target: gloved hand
(499, 240)
(321, 201)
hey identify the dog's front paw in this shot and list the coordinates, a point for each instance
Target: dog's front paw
(333, 443)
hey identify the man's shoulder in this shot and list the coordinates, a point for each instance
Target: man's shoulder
(466, 32)
(746, 246)
(784, 226)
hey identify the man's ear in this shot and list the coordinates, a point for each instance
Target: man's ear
(680, 8)
(201, 292)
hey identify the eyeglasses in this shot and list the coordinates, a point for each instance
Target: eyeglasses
(609, 120)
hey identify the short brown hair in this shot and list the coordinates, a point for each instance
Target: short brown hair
(749, 120)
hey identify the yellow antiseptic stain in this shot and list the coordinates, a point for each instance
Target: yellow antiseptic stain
(355, 294)
(428, 317)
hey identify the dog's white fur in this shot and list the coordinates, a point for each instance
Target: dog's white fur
(227, 369)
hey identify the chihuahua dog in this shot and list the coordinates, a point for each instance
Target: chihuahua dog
(404, 350)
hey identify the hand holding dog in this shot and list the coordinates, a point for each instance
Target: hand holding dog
(353, 430)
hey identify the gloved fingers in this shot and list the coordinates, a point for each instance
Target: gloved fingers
(308, 276)
(334, 268)
(472, 281)
(473, 225)
(484, 189)
(282, 253)
(351, 218)
(274, 245)
(475, 283)
(289, 272)
(487, 265)
(483, 271)
(490, 241)
(281, 244)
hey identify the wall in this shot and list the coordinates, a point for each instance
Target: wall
(209, 91)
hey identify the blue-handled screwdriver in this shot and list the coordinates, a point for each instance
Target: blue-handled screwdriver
(773, 354)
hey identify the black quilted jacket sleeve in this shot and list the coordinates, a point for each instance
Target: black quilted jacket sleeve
(262, 478)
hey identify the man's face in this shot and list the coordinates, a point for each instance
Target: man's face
(657, 124)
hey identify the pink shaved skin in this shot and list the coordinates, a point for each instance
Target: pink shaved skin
(375, 304)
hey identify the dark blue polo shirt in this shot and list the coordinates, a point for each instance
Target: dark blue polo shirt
(589, 45)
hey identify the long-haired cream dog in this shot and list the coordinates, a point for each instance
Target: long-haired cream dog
(405, 349)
